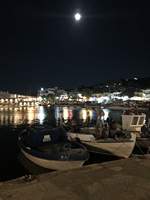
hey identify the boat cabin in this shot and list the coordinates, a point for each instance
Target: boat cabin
(133, 122)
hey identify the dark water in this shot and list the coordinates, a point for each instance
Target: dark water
(11, 123)
(16, 116)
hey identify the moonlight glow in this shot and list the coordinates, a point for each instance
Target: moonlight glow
(77, 16)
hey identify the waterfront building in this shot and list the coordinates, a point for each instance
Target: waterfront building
(8, 99)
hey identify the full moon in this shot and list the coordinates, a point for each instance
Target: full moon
(77, 17)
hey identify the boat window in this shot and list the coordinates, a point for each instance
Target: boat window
(141, 121)
(134, 121)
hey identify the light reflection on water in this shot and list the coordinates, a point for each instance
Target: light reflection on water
(29, 114)
(11, 115)
(41, 115)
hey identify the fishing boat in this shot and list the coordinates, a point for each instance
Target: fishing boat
(41, 148)
(121, 146)
(138, 121)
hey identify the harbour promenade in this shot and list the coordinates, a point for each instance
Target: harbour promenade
(17, 100)
(126, 179)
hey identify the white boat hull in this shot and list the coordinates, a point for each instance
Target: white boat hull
(109, 146)
(53, 164)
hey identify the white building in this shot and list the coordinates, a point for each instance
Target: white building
(58, 93)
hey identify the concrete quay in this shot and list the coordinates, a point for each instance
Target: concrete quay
(127, 179)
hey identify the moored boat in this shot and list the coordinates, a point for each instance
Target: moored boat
(120, 146)
(43, 150)
(137, 123)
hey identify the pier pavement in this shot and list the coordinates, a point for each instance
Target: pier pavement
(127, 179)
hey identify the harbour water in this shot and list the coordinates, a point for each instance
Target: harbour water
(11, 117)
(15, 116)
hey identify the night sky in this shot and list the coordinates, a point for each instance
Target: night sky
(41, 45)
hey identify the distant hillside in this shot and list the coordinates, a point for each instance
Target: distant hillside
(119, 85)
